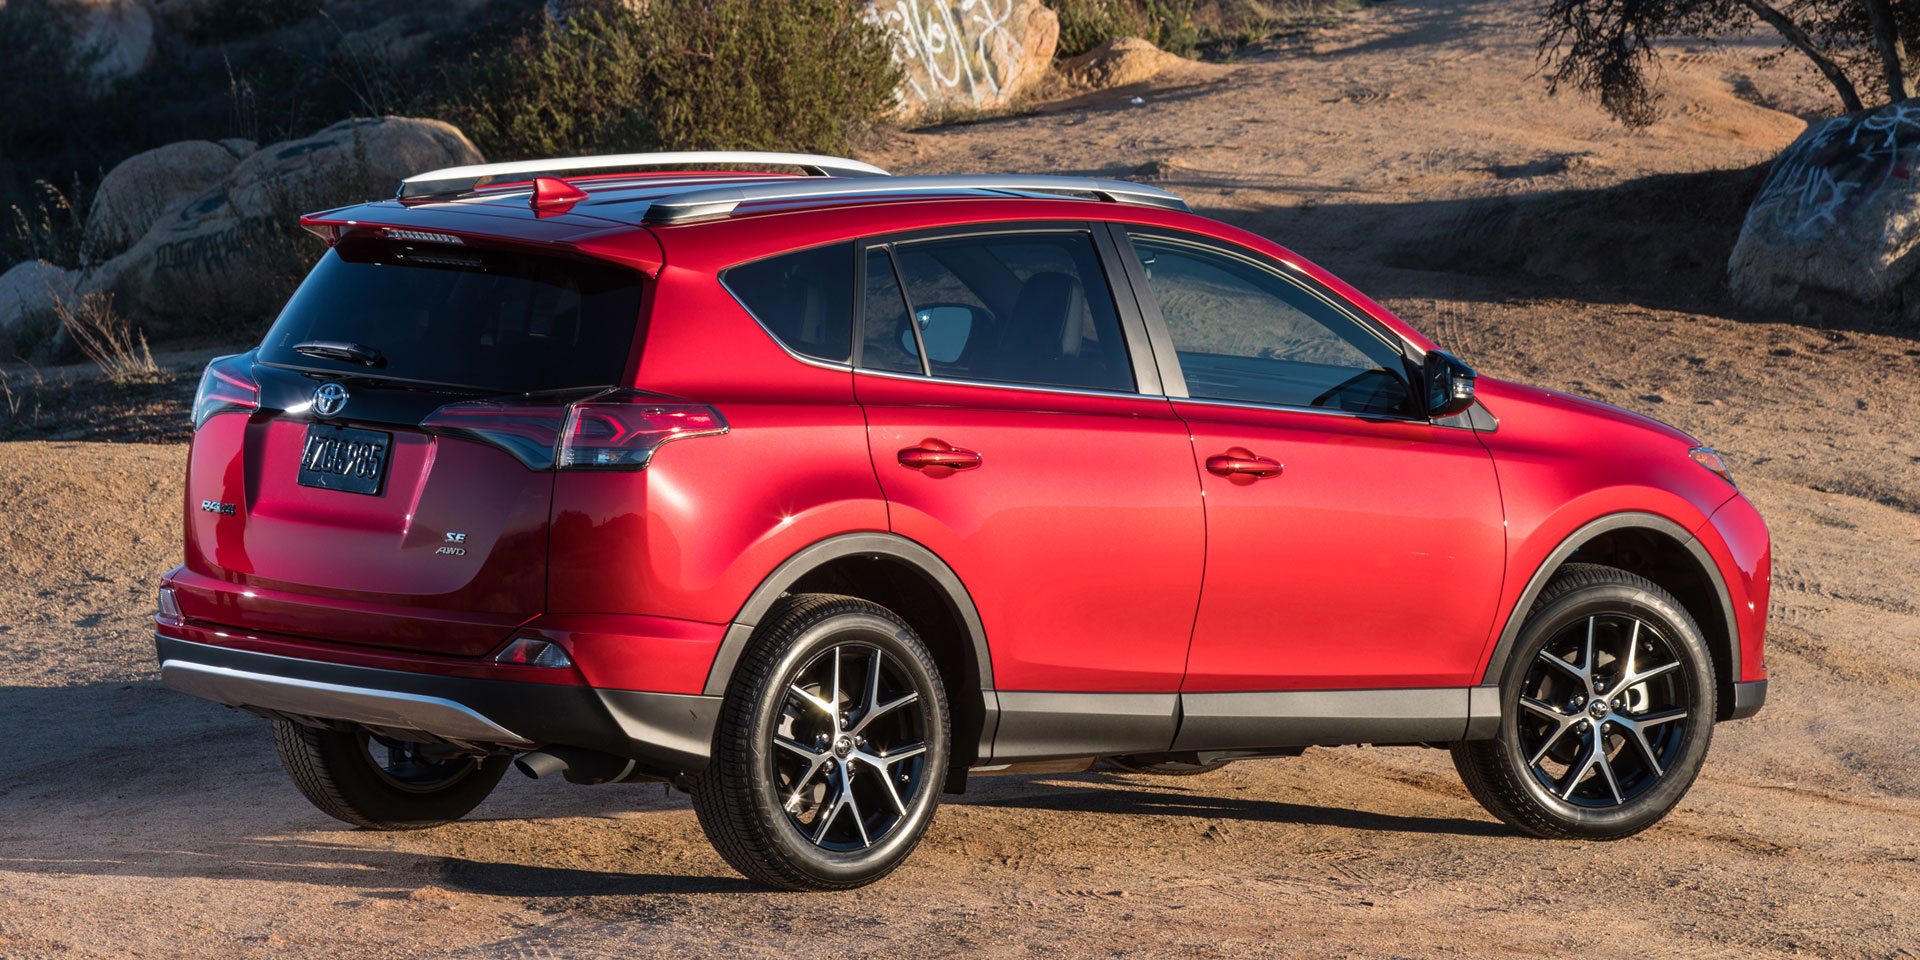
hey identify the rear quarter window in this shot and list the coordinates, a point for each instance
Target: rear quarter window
(487, 320)
(804, 298)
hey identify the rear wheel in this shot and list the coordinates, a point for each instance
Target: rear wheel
(831, 750)
(383, 784)
(1607, 710)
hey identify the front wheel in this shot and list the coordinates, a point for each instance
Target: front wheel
(1606, 711)
(383, 784)
(831, 750)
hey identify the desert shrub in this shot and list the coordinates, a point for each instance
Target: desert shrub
(696, 74)
(1610, 49)
(1085, 24)
(107, 338)
(50, 224)
(1209, 28)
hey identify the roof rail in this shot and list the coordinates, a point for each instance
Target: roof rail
(462, 179)
(720, 201)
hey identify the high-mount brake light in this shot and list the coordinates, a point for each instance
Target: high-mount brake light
(621, 432)
(617, 430)
(225, 386)
(422, 236)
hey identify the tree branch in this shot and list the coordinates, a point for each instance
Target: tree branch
(1893, 51)
(1849, 97)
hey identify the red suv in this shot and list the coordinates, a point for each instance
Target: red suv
(815, 495)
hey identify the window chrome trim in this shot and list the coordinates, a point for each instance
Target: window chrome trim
(1006, 385)
(1320, 411)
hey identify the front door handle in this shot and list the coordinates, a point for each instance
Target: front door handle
(1239, 461)
(938, 457)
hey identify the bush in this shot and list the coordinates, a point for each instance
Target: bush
(1211, 28)
(694, 74)
(105, 336)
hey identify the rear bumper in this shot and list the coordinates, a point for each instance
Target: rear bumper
(664, 733)
(1748, 698)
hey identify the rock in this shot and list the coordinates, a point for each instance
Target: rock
(27, 294)
(146, 185)
(1838, 214)
(965, 56)
(118, 34)
(239, 147)
(180, 16)
(1119, 62)
(235, 249)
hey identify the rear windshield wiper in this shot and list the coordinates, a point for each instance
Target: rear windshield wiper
(342, 350)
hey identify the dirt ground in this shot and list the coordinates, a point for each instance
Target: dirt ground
(139, 823)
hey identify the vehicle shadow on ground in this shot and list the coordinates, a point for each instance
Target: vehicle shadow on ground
(377, 873)
(1119, 797)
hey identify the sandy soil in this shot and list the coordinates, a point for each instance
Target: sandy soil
(136, 822)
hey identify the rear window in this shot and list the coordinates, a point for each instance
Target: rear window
(480, 319)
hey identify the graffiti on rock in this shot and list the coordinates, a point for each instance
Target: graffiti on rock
(211, 251)
(950, 49)
(1836, 169)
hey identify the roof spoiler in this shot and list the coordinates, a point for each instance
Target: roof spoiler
(454, 180)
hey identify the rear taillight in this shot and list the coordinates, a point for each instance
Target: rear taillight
(621, 432)
(225, 386)
(527, 430)
(169, 606)
(618, 430)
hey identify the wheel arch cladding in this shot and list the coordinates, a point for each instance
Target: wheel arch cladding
(914, 583)
(1663, 552)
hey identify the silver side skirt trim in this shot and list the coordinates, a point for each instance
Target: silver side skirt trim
(440, 718)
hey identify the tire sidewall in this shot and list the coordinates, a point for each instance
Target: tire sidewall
(899, 643)
(1696, 664)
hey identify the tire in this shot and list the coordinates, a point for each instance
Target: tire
(1542, 774)
(1133, 765)
(337, 772)
(792, 806)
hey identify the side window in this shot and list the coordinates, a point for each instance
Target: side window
(1243, 332)
(1014, 308)
(888, 340)
(804, 298)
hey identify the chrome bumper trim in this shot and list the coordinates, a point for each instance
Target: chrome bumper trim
(438, 717)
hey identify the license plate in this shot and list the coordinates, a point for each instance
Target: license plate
(345, 459)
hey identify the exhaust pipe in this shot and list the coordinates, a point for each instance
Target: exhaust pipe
(539, 764)
(578, 765)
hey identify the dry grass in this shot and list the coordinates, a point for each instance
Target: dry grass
(107, 338)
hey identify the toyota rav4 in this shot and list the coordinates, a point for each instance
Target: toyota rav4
(816, 494)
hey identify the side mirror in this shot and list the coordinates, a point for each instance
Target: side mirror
(1449, 384)
(944, 328)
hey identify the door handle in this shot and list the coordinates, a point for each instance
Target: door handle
(1241, 461)
(939, 457)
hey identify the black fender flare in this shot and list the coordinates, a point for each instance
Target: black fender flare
(1516, 617)
(868, 544)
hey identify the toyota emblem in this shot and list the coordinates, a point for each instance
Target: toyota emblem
(329, 399)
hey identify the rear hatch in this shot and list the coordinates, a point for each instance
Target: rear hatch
(391, 484)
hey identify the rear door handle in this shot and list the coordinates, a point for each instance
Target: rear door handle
(938, 455)
(1241, 461)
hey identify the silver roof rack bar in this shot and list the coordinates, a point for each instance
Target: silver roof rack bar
(462, 179)
(720, 201)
